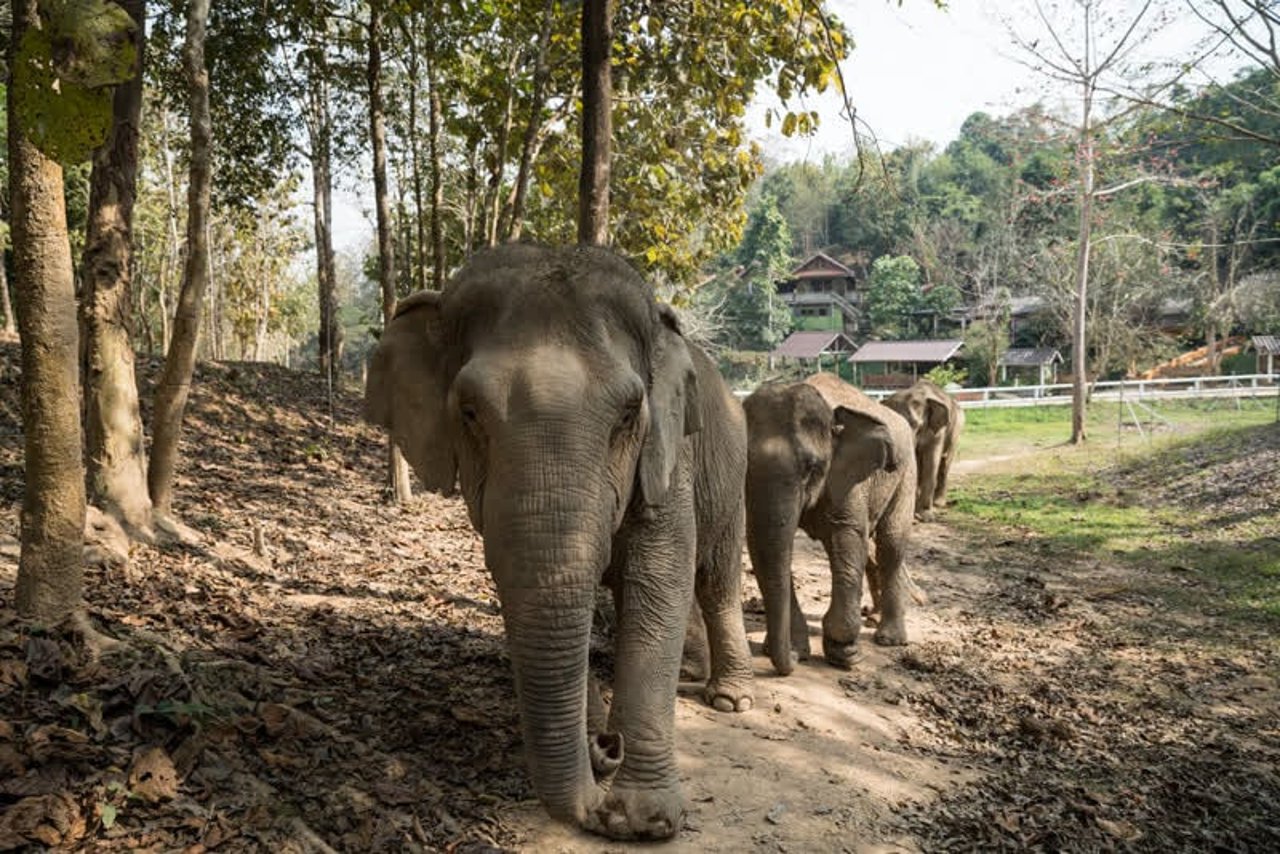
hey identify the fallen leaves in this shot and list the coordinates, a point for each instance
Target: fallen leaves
(53, 820)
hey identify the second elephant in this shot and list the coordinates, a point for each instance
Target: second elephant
(824, 457)
(937, 421)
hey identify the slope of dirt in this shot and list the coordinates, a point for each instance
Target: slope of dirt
(348, 688)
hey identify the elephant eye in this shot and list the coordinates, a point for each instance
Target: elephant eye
(470, 417)
(630, 415)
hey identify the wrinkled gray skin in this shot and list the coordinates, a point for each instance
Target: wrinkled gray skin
(824, 457)
(937, 421)
(591, 443)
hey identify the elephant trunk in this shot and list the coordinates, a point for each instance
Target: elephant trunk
(771, 531)
(548, 634)
(547, 543)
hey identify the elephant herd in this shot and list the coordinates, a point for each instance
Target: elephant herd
(594, 444)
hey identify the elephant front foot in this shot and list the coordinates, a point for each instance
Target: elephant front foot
(730, 694)
(841, 654)
(891, 633)
(639, 813)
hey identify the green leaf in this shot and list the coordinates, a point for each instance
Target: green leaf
(108, 814)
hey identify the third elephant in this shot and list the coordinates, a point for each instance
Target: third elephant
(937, 420)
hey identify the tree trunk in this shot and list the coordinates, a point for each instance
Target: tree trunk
(418, 260)
(319, 127)
(50, 568)
(541, 72)
(398, 469)
(597, 122)
(437, 178)
(493, 197)
(172, 251)
(1079, 340)
(117, 465)
(10, 322)
(175, 383)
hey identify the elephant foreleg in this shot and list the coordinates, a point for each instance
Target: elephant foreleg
(892, 630)
(847, 551)
(929, 461)
(654, 557)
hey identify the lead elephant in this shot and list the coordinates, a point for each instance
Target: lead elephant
(592, 443)
(824, 457)
(937, 421)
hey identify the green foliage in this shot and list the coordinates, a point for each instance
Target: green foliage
(984, 342)
(1063, 503)
(947, 375)
(754, 316)
(63, 74)
(893, 292)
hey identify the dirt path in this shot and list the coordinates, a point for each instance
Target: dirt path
(823, 759)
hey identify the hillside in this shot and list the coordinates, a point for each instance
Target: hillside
(348, 689)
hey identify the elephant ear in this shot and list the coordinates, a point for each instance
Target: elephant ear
(937, 415)
(406, 388)
(674, 406)
(864, 445)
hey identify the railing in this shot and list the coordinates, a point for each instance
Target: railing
(1228, 386)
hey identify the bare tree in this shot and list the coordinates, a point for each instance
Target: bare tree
(597, 122)
(1246, 29)
(1078, 47)
(175, 382)
(50, 569)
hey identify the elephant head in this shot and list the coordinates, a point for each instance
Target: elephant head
(801, 451)
(556, 393)
(925, 406)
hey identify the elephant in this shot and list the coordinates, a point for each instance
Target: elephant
(592, 444)
(826, 458)
(937, 421)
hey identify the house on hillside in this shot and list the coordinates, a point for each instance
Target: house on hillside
(897, 364)
(824, 295)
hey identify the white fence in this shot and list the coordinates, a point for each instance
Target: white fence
(1192, 388)
(1186, 388)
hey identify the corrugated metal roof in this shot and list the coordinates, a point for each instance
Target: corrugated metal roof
(1267, 344)
(1029, 357)
(907, 351)
(810, 345)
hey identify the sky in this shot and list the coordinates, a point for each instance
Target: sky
(915, 73)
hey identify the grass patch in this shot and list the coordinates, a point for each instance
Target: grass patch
(1068, 510)
(1188, 505)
